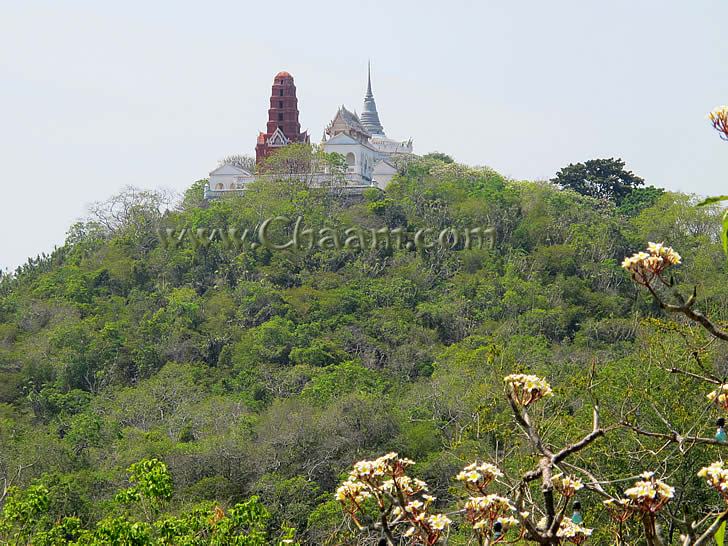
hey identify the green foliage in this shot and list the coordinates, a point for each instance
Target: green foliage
(639, 199)
(193, 196)
(24, 521)
(22, 513)
(84, 431)
(346, 378)
(724, 228)
(599, 178)
(121, 531)
(216, 374)
(713, 200)
(720, 535)
(439, 156)
(150, 480)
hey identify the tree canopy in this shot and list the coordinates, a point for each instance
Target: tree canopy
(599, 178)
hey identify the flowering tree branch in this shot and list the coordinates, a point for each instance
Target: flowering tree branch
(645, 268)
(719, 118)
(521, 391)
(403, 501)
(686, 309)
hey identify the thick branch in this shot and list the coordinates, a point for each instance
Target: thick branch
(569, 450)
(581, 444)
(687, 310)
(524, 421)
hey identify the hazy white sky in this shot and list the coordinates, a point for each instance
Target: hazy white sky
(98, 95)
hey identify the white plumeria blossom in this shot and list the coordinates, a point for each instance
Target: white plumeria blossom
(567, 485)
(720, 396)
(439, 521)
(528, 388)
(401, 498)
(476, 473)
(649, 494)
(654, 261)
(490, 502)
(508, 522)
(716, 475)
(354, 490)
(570, 531)
(719, 118)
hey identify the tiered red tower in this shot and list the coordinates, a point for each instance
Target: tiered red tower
(283, 126)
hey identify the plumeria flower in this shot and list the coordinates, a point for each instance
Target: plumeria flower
(720, 396)
(572, 532)
(527, 389)
(645, 266)
(439, 521)
(716, 475)
(471, 476)
(649, 494)
(414, 506)
(567, 485)
(398, 497)
(352, 491)
(489, 503)
(477, 476)
(483, 512)
(620, 510)
(507, 522)
(719, 118)
(410, 486)
(665, 253)
(481, 524)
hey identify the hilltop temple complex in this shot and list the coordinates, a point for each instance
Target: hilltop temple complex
(359, 139)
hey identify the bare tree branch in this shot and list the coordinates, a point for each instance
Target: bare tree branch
(687, 310)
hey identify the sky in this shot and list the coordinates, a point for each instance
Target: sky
(96, 96)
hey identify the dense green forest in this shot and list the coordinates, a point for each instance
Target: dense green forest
(202, 393)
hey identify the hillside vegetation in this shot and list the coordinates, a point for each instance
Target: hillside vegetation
(150, 392)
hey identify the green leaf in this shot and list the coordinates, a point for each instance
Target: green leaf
(720, 535)
(713, 200)
(724, 229)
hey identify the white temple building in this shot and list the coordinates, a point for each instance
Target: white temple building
(360, 140)
(365, 164)
(229, 177)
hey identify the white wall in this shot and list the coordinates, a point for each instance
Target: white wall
(360, 153)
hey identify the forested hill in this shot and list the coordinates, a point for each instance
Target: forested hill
(264, 372)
